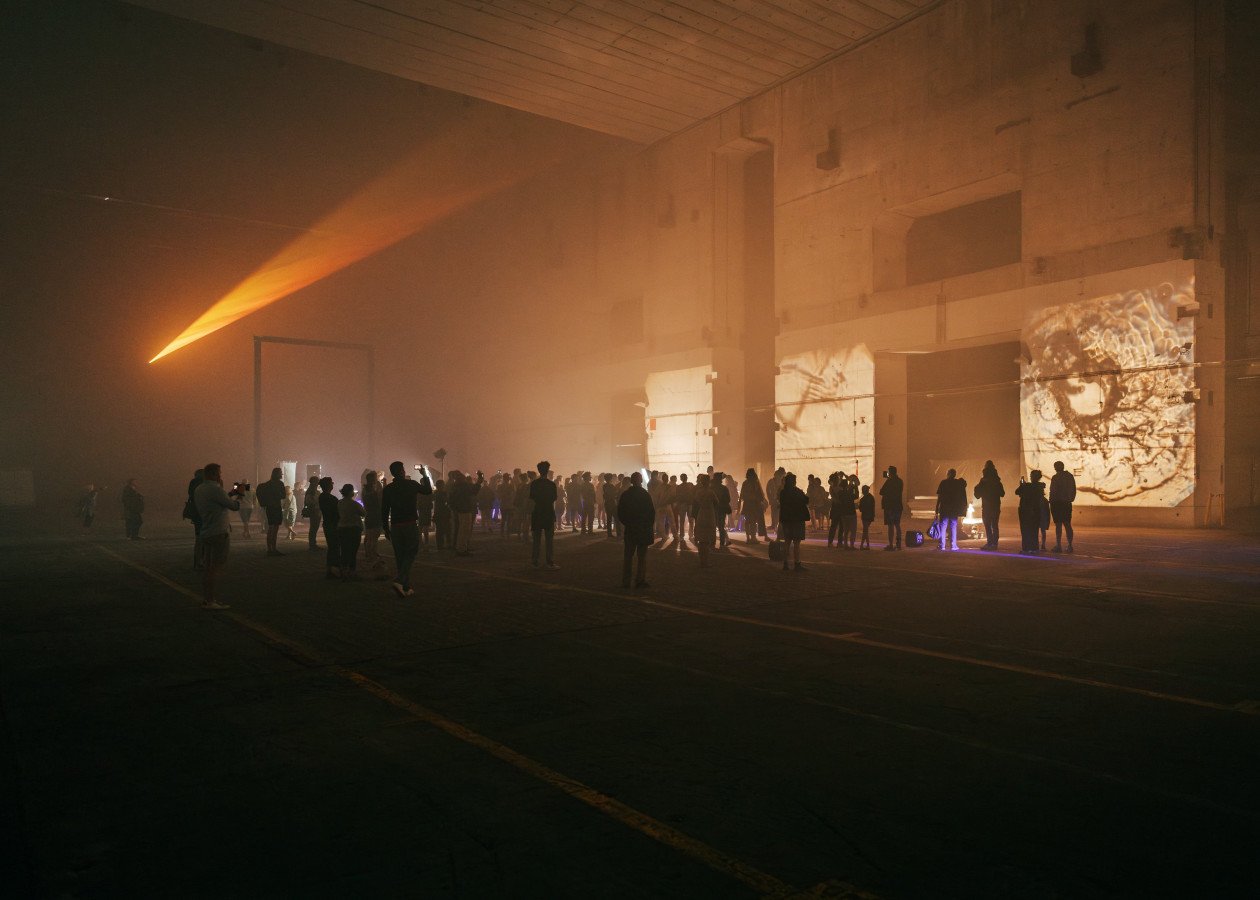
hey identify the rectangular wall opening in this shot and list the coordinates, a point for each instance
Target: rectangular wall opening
(962, 409)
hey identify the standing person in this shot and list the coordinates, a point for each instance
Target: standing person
(133, 509)
(752, 506)
(330, 517)
(851, 509)
(683, 496)
(505, 495)
(1031, 495)
(717, 483)
(400, 520)
(442, 516)
(866, 506)
(637, 516)
(522, 502)
(989, 492)
(588, 503)
(609, 496)
(247, 498)
(704, 518)
(349, 531)
(774, 487)
(424, 512)
(951, 505)
(1043, 524)
(289, 508)
(1062, 496)
(793, 514)
(464, 505)
(732, 492)
(87, 505)
(485, 505)
(213, 504)
(310, 510)
(542, 493)
(817, 495)
(270, 495)
(890, 500)
(191, 514)
(372, 491)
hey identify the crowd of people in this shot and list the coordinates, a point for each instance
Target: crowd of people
(420, 513)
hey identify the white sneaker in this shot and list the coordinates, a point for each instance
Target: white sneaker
(398, 589)
(215, 606)
(410, 592)
(552, 566)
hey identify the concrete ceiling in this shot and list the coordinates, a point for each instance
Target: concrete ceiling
(637, 69)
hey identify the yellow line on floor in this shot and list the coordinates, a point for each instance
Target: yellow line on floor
(857, 638)
(615, 809)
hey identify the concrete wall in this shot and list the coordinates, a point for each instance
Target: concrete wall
(974, 100)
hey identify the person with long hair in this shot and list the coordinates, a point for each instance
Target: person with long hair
(752, 507)
(989, 492)
(704, 517)
(371, 492)
(1031, 494)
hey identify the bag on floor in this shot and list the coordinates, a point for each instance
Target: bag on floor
(777, 550)
(914, 538)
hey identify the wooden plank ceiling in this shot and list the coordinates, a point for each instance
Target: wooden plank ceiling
(637, 69)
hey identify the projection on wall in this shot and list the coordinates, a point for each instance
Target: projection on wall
(1107, 388)
(825, 412)
(679, 420)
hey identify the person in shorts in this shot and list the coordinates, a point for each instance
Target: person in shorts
(793, 514)
(213, 505)
(1062, 496)
(890, 498)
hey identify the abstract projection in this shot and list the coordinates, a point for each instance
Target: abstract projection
(825, 413)
(679, 420)
(1108, 388)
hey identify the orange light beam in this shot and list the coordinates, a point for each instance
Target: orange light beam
(430, 185)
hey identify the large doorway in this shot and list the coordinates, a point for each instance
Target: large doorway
(962, 409)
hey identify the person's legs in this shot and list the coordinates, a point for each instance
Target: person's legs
(314, 523)
(406, 544)
(333, 557)
(640, 575)
(198, 549)
(953, 532)
(549, 536)
(702, 548)
(866, 534)
(538, 534)
(1067, 526)
(627, 557)
(348, 540)
(215, 556)
(896, 529)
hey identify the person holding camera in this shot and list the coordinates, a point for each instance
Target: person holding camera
(891, 501)
(400, 520)
(212, 506)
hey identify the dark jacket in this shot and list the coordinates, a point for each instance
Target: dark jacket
(1030, 494)
(464, 495)
(793, 505)
(890, 493)
(990, 492)
(543, 492)
(328, 509)
(637, 515)
(951, 498)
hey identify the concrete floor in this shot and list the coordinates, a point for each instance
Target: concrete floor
(920, 724)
